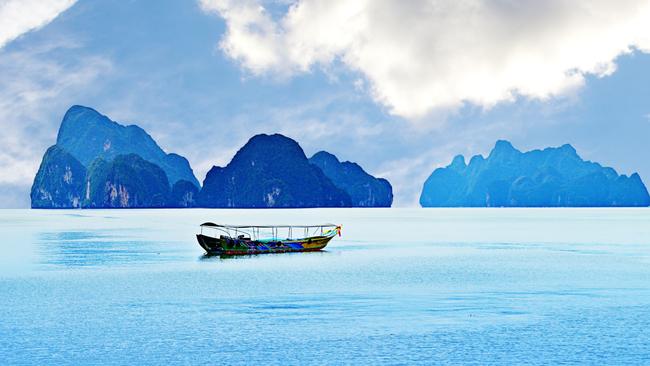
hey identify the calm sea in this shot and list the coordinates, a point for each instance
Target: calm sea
(401, 286)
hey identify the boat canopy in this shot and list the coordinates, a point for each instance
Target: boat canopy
(212, 224)
(273, 232)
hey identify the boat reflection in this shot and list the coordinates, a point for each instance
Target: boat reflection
(218, 257)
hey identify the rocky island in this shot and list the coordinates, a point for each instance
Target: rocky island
(553, 177)
(99, 163)
(270, 171)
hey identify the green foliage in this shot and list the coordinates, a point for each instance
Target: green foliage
(126, 182)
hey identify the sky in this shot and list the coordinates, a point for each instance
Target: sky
(399, 87)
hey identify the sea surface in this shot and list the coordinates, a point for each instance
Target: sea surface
(400, 286)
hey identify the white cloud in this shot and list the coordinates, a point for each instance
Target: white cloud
(21, 16)
(35, 92)
(421, 56)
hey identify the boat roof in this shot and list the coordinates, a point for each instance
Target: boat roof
(212, 224)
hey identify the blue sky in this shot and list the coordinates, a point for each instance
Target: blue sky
(203, 77)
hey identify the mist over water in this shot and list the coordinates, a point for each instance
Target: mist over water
(401, 286)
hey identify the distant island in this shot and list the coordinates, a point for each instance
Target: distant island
(98, 163)
(553, 177)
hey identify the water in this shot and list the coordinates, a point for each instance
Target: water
(402, 286)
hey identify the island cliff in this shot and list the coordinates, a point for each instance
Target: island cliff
(59, 182)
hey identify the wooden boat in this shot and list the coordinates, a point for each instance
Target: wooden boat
(243, 240)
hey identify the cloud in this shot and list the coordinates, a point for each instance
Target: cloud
(422, 56)
(21, 16)
(35, 87)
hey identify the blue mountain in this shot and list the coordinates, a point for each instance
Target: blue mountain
(87, 135)
(364, 189)
(553, 177)
(270, 171)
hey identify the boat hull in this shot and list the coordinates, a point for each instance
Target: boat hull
(230, 246)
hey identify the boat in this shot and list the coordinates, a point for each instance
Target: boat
(218, 239)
